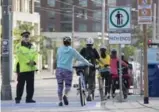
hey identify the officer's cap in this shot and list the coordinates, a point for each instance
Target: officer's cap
(25, 33)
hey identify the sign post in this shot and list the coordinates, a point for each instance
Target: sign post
(119, 23)
(146, 95)
(144, 18)
(119, 18)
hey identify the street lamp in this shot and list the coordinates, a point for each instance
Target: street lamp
(103, 21)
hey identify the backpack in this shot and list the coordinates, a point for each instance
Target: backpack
(89, 54)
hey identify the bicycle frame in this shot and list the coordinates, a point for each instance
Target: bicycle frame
(81, 78)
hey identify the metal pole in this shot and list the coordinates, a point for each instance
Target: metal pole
(146, 95)
(6, 50)
(73, 24)
(141, 73)
(103, 22)
(157, 19)
(154, 22)
(120, 75)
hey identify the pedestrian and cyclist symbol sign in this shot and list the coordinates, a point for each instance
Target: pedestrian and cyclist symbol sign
(119, 18)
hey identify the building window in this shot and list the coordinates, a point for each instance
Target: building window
(97, 3)
(66, 27)
(97, 27)
(20, 6)
(66, 15)
(26, 5)
(83, 3)
(51, 28)
(51, 3)
(112, 2)
(30, 6)
(17, 5)
(64, 5)
(51, 15)
(97, 14)
(82, 27)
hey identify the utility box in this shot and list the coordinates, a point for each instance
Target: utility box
(153, 71)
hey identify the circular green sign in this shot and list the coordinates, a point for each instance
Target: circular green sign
(119, 26)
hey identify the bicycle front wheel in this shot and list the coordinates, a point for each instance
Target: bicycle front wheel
(82, 94)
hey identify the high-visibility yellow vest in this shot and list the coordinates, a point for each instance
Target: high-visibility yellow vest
(24, 55)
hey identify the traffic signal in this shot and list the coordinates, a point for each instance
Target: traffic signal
(149, 41)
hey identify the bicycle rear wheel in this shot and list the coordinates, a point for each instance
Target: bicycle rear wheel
(82, 94)
(125, 91)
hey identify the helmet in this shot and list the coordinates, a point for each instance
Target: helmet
(90, 41)
(67, 39)
(103, 47)
(122, 54)
(113, 51)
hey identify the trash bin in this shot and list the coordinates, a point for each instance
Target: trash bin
(153, 76)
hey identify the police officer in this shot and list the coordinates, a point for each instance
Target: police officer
(26, 57)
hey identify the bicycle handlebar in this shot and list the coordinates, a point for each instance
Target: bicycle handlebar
(82, 66)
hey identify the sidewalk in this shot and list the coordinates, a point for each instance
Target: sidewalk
(47, 101)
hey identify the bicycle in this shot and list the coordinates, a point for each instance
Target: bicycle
(101, 81)
(116, 84)
(81, 84)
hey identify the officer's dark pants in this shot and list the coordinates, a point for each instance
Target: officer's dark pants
(27, 77)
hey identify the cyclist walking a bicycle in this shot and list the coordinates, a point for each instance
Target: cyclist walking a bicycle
(106, 77)
(65, 56)
(91, 55)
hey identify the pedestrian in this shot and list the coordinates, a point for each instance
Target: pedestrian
(26, 57)
(65, 55)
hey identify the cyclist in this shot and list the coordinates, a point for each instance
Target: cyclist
(125, 70)
(65, 55)
(105, 58)
(91, 55)
(114, 69)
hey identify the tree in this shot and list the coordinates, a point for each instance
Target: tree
(129, 50)
(138, 34)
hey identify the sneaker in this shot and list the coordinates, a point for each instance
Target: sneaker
(60, 104)
(108, 96)
(17, 101)
(113, 95)
(65, 100)
(89, 98)
(125, 96)
(30, 101)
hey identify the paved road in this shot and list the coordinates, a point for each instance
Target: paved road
(47, 101)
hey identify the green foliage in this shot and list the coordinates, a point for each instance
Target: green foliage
(129, 50)
(26, 27)
(139, 35)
